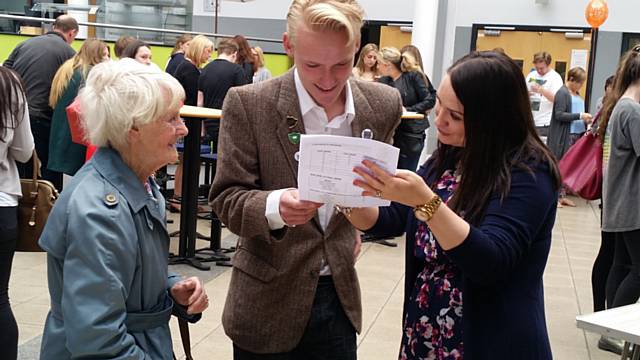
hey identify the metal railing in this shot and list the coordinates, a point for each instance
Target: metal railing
(137, 28)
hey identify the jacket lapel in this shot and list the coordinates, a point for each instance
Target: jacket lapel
(289, 120)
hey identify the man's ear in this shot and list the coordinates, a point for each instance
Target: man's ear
(288, 46)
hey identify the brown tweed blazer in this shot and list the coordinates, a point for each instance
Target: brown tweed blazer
(275, 273)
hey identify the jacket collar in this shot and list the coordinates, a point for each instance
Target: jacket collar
(110, 165)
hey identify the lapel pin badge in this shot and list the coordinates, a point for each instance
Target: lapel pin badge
(291, 122)
(367, 134)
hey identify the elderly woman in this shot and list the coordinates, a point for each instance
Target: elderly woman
(478, 218)
(106, 239)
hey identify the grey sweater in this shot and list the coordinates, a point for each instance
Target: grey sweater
(15, 145)
(36, 61)
(559, 140)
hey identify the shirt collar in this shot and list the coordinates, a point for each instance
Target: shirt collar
(307, 103)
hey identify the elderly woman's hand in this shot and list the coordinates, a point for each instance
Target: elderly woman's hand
(405, 187)
(190, 293)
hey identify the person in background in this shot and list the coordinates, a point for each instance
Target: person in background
(367, 65)
(559, 139)
(608, 85)
(216, 79)
(604, 260)
(543, 83)
(478, 217)
(36, 60)
(121, 44)
(16, 144)
(294, 291)
(245, 58)
(177, 54)
(187, 73)
(403, 73)
(621, 183)
(262, 73)
(106, 238)
(415, 52)
(65, 156)
(138, 50)
(575, 79)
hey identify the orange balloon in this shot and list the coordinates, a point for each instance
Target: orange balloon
(596, 12)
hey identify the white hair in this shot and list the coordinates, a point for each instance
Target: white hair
(119, 95)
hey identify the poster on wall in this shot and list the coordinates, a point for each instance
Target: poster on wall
(579, 58)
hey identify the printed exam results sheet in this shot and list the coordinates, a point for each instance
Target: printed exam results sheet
(325, 169)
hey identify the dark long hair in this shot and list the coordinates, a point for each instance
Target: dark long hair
(12, 100)
(499, 132)
(628, 72)
(244, 51)
(132, 48)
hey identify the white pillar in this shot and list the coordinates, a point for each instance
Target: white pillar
(80, 16)
(425, 29)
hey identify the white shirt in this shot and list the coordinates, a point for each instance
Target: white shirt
(315, 122)
(550, 81)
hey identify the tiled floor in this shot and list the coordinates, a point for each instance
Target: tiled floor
(567, 293)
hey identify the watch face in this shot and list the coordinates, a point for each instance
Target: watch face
(420, 215)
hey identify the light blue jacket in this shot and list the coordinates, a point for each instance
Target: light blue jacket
(107, 248)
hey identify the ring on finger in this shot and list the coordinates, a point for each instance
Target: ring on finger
(378, 193)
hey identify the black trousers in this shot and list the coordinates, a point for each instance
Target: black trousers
(329, 334)
(623, 283)
(600, 272)
(41, 129)
(8, 326)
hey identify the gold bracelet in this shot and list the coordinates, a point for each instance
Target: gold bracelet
(426, 211)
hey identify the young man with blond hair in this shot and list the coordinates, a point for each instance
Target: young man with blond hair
(294, 291)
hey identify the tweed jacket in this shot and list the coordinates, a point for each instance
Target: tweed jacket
(275, 273)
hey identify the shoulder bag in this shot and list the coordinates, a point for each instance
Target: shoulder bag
(38, 197)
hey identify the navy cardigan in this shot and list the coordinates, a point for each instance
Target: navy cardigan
(502, 262)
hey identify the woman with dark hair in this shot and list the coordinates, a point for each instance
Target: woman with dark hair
(138, 50)
(245, 57)
(478, 217)
(16, 144)
(403, 72)
(620, 126)
(177, 54)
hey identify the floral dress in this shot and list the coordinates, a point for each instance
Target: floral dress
(433, 323)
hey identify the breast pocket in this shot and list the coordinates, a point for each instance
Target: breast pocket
(254, 266)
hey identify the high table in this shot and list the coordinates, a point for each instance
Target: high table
(619, 323)
(193, 117)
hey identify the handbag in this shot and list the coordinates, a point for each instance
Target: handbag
(74, 117)
(581, 167)
(38, 197)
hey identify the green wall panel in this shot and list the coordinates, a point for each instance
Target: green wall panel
(276, 63)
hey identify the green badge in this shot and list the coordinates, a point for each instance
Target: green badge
(294, 138)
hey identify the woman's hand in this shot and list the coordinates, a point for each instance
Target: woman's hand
(405, 187)
(190, 293)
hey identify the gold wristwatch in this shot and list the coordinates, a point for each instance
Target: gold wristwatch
(425, 212)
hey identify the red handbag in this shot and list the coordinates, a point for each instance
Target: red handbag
(581, 167)
(74, 115)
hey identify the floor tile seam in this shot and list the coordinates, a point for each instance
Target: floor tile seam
(575, 290)
(377, 316)
(207, 335)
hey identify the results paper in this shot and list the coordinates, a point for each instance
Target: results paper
(325, 169)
